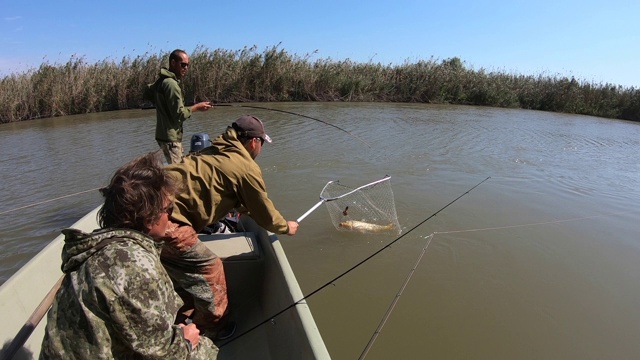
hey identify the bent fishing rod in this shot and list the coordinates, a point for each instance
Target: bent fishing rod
(330, 282)
(212, 104)
(291, 113)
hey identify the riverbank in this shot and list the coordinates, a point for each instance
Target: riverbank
(275, 75)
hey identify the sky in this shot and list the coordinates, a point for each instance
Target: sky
(593, 41)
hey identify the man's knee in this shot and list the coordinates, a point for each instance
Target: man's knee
(175, 150)
(172, 151)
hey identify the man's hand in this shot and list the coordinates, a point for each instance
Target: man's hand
(192, 334)
(293, 227)
(202, 106)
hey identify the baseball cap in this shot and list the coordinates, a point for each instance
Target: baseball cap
(250, 126)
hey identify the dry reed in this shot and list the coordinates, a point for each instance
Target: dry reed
(275, 75)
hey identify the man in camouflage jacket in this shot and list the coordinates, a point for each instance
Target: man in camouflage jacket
(116, 301)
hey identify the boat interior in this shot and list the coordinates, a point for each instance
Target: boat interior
(273, 320)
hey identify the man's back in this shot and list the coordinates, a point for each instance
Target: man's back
(219, 179)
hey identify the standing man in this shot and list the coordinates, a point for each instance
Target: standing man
(171, 112)
(218, 179)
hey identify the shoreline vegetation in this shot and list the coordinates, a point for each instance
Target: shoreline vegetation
(248, 75)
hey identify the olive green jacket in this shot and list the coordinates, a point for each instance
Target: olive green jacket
(116, 302)
(221, 178)
(168, 98)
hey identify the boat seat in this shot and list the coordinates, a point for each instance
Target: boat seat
(234, 246)
(242, 260)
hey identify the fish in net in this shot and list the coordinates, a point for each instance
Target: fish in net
(367, 209)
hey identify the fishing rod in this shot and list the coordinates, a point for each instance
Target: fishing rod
(212, 104)
(292, 113)
(269, 319)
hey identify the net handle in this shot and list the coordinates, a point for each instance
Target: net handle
(310, 210)
(322, 200)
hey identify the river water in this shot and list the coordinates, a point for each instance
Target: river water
(539, 261)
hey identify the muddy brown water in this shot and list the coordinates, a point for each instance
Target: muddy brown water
(540, 261)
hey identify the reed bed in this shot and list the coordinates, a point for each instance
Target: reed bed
(275, 75)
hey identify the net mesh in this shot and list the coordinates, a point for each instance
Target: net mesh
(369, 209)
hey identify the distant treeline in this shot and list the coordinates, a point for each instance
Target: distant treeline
(275, 75)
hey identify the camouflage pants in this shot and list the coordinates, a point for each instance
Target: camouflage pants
(198, 276)
(172, 151)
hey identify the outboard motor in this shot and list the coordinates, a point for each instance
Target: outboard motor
(199, 141)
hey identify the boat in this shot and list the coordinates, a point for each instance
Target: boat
(273, 319)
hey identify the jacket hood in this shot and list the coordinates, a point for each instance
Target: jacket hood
(80, 246)
(164, 72)
(227, 144)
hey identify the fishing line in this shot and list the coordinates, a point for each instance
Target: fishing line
(395, 301)
(424, 250)
(296, 114)
(331, 282)
(46, 201)
(531, 224)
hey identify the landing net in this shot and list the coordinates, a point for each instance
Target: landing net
(367, 209)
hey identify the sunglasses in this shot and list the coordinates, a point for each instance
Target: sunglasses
(184, 65)
(261, 140)
(168, 209)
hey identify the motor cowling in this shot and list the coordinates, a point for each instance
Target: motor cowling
(199, 141)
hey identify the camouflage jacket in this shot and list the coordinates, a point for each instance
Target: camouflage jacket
(116, 302)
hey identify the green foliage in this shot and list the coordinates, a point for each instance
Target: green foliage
(275, 75)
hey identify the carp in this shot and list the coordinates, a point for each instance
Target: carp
(365, 227)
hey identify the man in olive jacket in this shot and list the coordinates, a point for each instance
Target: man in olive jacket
(171, 112)
(218, 179)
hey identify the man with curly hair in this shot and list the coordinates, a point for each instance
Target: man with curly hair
(116, 299)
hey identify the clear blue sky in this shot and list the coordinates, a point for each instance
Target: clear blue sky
(595, 41)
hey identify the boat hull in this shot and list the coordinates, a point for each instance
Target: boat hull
(261, 284)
